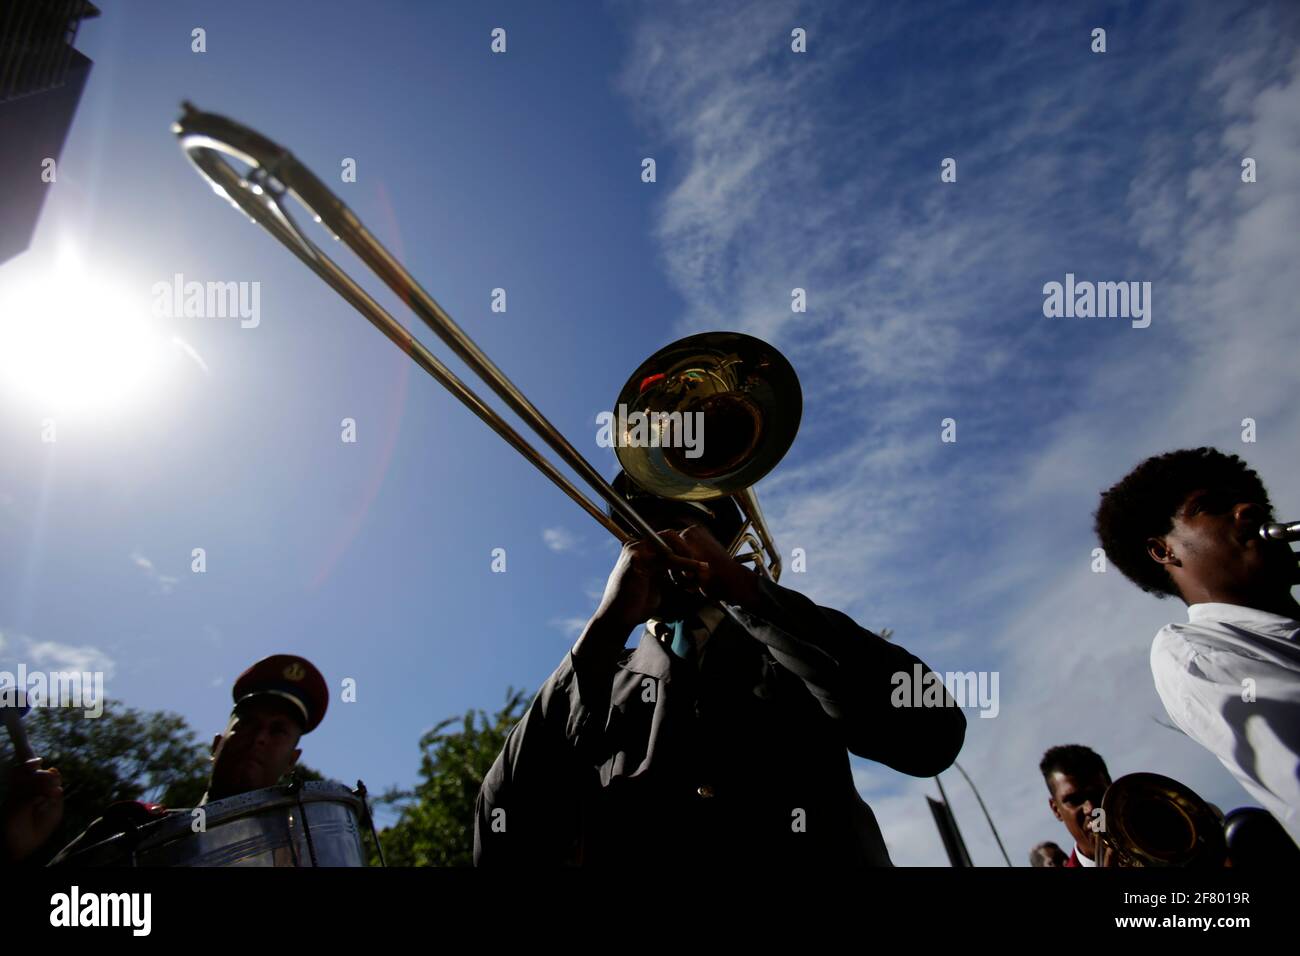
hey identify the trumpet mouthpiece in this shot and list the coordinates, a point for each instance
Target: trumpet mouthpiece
(1275, 531)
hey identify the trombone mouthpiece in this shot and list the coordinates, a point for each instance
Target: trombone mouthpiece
(1280, 532)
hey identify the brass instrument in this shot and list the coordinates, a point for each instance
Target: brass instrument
(1273, 531)
(1154, 821)
(743, 388)
(748, 395)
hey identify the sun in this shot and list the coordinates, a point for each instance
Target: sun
(76, 340)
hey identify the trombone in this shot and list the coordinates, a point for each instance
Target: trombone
(744, 386)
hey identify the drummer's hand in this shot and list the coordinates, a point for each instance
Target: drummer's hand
(709, 570)
(32, 812)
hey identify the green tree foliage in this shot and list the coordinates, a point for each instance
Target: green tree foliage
(436, 824)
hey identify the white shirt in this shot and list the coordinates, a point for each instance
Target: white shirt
(1083, 858)
(1207, 671)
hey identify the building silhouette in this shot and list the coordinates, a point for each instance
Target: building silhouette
(41, 79)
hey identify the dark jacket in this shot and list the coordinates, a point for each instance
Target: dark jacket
(743, 760)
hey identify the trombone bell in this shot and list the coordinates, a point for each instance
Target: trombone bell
(745, 404)
(717, 412)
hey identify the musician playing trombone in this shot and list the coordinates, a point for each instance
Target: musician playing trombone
(723, 737)
(1187, 524)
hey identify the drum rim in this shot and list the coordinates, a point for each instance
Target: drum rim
(226, 810)
(177, 821)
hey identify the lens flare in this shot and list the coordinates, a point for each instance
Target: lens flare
(73, 340)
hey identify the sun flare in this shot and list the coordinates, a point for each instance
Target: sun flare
(76, 340)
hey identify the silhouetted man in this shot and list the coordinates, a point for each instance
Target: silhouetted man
(720, 739)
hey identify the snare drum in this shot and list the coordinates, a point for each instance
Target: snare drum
(318, 824)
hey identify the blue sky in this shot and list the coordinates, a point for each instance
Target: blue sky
(775, 171)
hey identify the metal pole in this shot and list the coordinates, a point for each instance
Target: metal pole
(996, 836)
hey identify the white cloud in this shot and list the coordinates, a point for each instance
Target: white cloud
(55, 656)
(570, 627)
(559, 539)
(164, 583)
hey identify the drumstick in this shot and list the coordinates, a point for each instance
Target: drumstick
(13, 718)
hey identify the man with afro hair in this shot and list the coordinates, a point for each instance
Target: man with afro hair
(1186, 524)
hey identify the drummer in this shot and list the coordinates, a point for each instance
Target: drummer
(277, 700)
